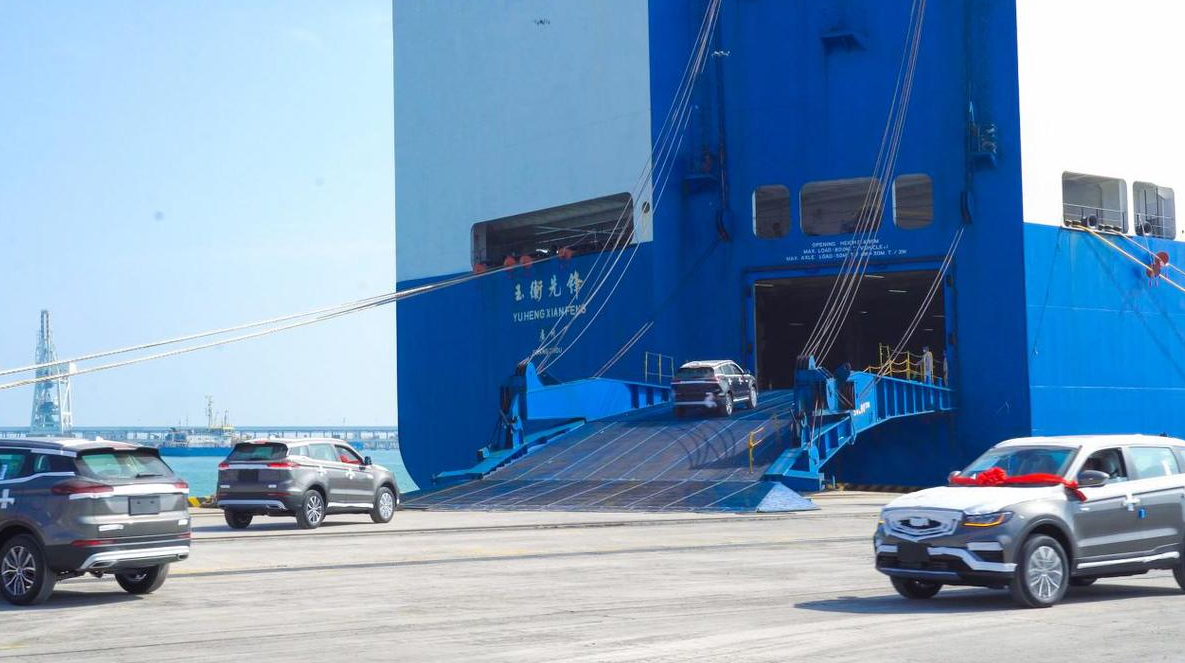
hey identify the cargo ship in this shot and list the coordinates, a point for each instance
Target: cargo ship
(984, 181)
(215, 439)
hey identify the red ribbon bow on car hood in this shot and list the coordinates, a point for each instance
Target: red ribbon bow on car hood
(996, 476)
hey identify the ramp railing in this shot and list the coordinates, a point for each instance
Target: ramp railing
(658, 366)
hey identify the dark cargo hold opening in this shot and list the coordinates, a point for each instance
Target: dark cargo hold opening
(787, 309)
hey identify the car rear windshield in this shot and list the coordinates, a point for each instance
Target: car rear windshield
(694, 373)
(258, 452)
(1016, 461)
(120, 464)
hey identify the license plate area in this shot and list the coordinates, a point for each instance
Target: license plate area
(913, 554)
(143, 506)
(249, 476)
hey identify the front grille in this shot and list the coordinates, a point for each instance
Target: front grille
(922, 523)
(996, 556)
(890, 561)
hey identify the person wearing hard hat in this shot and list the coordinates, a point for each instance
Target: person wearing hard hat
(927, 364)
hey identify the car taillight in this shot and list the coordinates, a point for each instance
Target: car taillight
(284, 465)
(180, 485)
(81, 487)
(224, 465)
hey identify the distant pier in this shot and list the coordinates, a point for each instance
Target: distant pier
(369, 437)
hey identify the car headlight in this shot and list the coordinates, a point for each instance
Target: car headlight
(986, 519)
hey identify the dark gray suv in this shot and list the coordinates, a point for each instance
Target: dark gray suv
(306, 478)
(1038, 515)
(70, 507)
(715, 385)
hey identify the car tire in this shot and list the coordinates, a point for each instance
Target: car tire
(311, 513)
(1087, 582)
(728, 407)
(1179, 573)
(1042, 573)
(680, 412)
(752, 398)
(237, 519)
(143, 581)
(915, 590)
(25, 577)
(386, 502)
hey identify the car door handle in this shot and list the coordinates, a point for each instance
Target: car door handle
(1131, 502)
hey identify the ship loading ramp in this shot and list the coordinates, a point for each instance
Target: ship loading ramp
(643, 458)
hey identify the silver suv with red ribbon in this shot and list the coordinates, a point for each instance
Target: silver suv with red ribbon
(1040, 515)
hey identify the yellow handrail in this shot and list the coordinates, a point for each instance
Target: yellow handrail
(752, 444)
(907, 365)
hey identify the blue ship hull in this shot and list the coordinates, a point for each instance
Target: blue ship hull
(1046, 330)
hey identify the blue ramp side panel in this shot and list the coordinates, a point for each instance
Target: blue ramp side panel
(589, 399)
(831, 412)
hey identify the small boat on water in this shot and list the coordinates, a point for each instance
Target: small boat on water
(215, 439)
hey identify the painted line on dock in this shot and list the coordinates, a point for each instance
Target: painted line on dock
(511, 528)
(432, 561)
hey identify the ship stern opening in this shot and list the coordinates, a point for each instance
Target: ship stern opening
(787, 310)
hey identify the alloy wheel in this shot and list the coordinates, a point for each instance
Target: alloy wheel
(18, 571)
(1045, 573)
(386, 504)
(314, 508)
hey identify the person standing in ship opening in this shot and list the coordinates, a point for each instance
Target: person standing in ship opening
(927, 365)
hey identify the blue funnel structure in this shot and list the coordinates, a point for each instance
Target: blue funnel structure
(830, 411)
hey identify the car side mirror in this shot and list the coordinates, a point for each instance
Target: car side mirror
(367, 461)
(1092, 478)
(954, 474)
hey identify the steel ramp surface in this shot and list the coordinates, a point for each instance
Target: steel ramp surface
(487, 495)
(645, 460)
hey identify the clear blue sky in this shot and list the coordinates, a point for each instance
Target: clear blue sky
(168, 167)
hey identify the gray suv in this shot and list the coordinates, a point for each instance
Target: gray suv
(70, 507)
(306, 478)
(716, 385)
(1038, 515)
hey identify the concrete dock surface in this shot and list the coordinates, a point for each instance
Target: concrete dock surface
(455, 586)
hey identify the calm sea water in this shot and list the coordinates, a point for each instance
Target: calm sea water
(202, 471)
